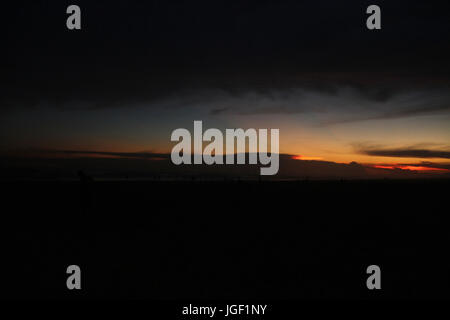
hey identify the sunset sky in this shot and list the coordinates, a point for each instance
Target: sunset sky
(337, 91)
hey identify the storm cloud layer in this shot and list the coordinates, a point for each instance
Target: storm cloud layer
(173, 49)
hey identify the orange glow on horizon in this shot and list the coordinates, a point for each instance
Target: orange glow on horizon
(300, 157)
(409, 167)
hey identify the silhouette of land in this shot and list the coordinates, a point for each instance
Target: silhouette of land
(212, 240)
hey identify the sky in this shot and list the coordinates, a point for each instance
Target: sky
(138, 70)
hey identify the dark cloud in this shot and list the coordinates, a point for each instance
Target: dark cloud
(140, 155)
(135, 52)
(404, 103)
(345, 103)
(406, 153)
(425, 109)
(218, 111)
(428, 164)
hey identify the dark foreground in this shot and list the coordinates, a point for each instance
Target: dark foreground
(226, 240)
